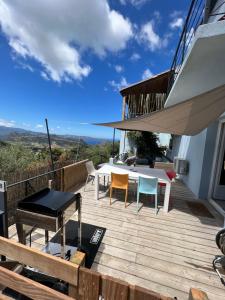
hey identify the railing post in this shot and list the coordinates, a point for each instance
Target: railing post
(196, 294)
(3, 212)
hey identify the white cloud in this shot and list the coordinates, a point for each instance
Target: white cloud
(176, 23)
(149, 37)
(84, 123)
(7, 123)
(39, 126)
(57, 33)
(25, 66)
(135, 56)
(136, 3)
(176, 13)
(44, 75)
(147, 74)
(118, 85)
(119, 68)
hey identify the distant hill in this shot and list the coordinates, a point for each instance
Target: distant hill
(11, 134)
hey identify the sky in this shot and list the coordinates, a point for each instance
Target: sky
(67, 60)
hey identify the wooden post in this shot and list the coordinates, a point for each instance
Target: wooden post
(124, 108)
(4, 212)
(50, 184)
(196, 294)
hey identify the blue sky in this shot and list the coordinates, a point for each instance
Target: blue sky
(66, 60)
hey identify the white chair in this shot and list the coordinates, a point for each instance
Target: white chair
(91, 172)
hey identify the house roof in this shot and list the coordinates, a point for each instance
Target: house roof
(155, 84)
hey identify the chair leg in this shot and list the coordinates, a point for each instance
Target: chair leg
(126, 198)
(156, 203)
(138, 196)
(86, 182)
(110, 195)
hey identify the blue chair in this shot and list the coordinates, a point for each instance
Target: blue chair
(147, 186)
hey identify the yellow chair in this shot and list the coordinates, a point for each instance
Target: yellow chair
(119, 181)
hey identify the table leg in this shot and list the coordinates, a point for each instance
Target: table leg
(96, 186)
(46, 237)
(167, 197)
(62, 236)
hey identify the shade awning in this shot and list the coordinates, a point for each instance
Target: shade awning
(187, 118)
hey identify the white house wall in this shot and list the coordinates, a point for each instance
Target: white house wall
(199, 151)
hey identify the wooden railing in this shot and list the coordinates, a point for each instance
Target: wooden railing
(73, 175)
(84, 284)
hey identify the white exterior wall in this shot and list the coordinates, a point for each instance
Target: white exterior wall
(197, 76)
(192, 149)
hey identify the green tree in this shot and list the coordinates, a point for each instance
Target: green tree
(14, 158)
(146, 144)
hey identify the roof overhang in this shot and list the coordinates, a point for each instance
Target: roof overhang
(187, 118)
(155, 84)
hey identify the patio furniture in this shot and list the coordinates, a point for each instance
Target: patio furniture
(119, 181)
(147, 186)
(134, 173)
(91, 172)
(46, 210)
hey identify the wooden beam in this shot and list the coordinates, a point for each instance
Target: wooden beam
(4, 297)
(39, 220)
(196, 294)
(28, 287)
(46, 263)
(124, 108)
(78, 258)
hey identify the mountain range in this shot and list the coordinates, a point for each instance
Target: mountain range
(11, 134)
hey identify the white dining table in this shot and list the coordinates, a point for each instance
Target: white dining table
(134, 173)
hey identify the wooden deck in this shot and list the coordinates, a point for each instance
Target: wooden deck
(167, 253)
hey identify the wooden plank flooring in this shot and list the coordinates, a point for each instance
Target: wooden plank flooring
(167, 253)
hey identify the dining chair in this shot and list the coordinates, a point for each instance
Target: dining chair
(147, 186)
(119, 181)
(91, 172)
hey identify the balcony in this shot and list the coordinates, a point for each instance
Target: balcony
(166, 253)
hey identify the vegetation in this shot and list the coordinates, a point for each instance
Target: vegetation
(18, 157)
(146, 144)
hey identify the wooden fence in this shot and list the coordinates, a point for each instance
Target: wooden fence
(73, 175)
(67, 178)
(84, 284)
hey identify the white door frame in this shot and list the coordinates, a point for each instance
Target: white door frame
(215, 157)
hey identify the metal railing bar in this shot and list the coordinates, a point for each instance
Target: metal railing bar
(34, 177)
(217, 14)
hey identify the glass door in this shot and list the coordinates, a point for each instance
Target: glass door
(219, 187)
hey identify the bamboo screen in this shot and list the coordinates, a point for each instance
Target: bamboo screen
(140, 104)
